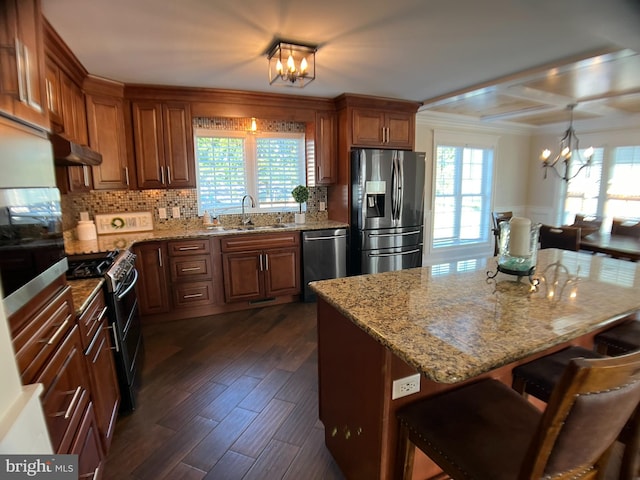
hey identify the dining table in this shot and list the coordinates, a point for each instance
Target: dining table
(616, 246)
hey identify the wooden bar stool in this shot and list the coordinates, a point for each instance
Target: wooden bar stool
(539, 377)
(621, 339)
(486, 430)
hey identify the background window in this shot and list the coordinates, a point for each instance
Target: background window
(463, 180)
(583, 191)
(623, 193)
(266, 166)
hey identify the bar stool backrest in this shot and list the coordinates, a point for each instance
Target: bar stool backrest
(566, 238)
(586, 412)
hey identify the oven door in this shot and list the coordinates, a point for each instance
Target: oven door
(126, 325)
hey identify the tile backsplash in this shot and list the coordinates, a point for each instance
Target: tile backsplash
(113, 201)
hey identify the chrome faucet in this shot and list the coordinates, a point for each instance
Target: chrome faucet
(246, 219)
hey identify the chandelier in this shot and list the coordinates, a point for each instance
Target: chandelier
(291, 64)
(569, 152)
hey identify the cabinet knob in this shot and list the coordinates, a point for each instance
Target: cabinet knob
(334, 432)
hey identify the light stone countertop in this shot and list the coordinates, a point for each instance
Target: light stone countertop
(451, 323)
(125, 241)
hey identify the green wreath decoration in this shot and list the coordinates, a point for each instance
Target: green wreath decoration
(117, 222)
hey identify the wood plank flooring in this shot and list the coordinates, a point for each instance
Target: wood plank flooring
(227, 397)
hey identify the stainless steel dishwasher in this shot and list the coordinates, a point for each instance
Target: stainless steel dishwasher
(324, 256)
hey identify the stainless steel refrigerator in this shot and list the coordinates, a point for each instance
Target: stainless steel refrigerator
(387, 205)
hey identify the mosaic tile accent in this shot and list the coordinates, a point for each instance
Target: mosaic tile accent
(244, 124)
(150, 200)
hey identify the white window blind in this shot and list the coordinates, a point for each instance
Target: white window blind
(267, 166)
(463, 182)
(623, 194)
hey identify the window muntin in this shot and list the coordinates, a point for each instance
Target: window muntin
(463, 180)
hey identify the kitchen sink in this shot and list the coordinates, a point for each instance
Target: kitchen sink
(242, 228)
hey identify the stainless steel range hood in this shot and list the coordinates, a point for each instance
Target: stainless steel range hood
(68, 153)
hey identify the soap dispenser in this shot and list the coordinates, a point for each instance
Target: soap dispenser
(206, 219)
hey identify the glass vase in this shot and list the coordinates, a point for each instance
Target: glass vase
(518, 255)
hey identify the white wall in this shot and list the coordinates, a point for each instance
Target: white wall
(22, 425)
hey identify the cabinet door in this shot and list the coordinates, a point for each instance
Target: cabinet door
(73, 179)
(368, 127)
(152, 288)
(22, 72)
(243, 279)
(66, 391)
(105, 117)
(148, 144)
(326, 149)
(52, 85)
(180, 166)
(104, 383)
(87, 446)
(282, 272)
(400, 130)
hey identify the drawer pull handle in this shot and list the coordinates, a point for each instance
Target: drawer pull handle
(104, 310)
(193, 295)
(72, 405)
(182, 249)
(58, 331)
(189, 269)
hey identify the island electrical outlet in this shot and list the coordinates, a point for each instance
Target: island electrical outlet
(405, 386)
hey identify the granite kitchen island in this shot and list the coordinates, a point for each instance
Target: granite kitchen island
(451, 324)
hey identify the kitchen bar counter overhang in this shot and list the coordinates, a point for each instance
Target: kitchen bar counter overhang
(455, 326)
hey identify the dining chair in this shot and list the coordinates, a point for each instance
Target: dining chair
(627, 228)
(487, 430)
(587, 223)
(566, 238)
(498, 218)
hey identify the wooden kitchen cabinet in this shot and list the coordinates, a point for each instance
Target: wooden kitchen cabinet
(152, 288)
(106, 120)
(105, 392)
(74, 115)
(259, 267)
(163, 143)
(191, 273)
(326, 154)
(22, 67)
(88, 447)
(52, 88)
(384, 129)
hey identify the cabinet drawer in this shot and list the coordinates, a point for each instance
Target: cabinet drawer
(190, 268)
(42, 334)
(190, 247)
(239, 243)
(91, 319)
(193, 294)
(66, 391)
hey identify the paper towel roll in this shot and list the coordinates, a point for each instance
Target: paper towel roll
(86, 230)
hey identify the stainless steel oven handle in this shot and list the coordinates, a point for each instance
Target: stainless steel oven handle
(115, 347)
(131, 285)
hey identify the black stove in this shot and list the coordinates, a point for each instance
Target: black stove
(90, 265)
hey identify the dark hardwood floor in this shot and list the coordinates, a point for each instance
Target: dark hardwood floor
(231, 396)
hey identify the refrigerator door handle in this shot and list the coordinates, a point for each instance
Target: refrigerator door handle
(373, 235)
(394, 189)
(399, 192)
(408, 252)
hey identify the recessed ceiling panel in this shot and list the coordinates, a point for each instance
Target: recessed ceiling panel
(486, 103)
(557, 116)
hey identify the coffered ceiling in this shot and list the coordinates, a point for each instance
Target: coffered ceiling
(522, 61)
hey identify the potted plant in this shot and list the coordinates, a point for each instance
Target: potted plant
(300, 194)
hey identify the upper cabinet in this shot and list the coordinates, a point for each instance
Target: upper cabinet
(22, 69)
(326, 154)
(163, 144)
(387, 129)
(107, 134)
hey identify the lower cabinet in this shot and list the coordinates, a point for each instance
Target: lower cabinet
(88, 447)
(258, 267)
(105, 391)
(152, 288)
(191, 273)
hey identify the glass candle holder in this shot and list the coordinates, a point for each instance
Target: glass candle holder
(518, 244)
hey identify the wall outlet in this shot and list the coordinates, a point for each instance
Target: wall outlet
(405, 386)
(162, 212)
(323, 206)
(176, 212)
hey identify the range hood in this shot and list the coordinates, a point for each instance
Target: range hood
(68, 153)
